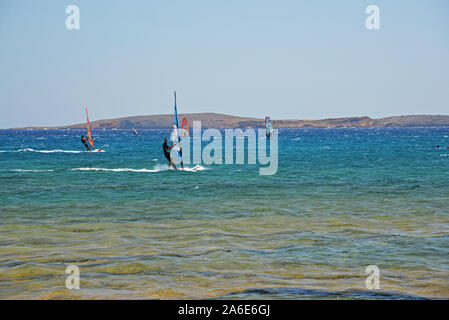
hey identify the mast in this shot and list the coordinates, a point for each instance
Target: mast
(89, 132)
(175, 120)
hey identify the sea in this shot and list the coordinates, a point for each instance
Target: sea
(344, 202)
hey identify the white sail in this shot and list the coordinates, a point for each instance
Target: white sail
(175, 136)
(268, 127)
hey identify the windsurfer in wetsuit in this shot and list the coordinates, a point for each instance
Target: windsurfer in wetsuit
(167, 150)
(84, 141)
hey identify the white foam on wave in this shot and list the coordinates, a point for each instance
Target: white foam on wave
(30, 170)
(157, 168)
(194, 169)
(48, 151)
(115, 170)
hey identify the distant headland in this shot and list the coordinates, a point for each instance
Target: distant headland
(221, 121)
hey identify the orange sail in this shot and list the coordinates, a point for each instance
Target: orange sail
(184, 127)
(89, 132)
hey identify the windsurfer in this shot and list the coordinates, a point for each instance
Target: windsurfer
(167, 149)
(268, 127)
(84, 141)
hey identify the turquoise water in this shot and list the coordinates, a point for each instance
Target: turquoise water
(342, 199)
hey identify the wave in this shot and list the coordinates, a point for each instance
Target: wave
(47, 151)
(30, 170)
(195, 168)
(157, 168)
(116, 170)
(296, 293)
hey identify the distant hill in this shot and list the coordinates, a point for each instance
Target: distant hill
(412, 121)
(217, 120)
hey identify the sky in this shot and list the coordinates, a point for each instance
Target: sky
(287, 59)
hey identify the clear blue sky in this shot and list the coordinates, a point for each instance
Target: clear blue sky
(289, 59)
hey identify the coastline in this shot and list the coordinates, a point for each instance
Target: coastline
(222, 121)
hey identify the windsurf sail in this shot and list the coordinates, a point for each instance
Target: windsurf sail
(175, 137)
(90, 138)
(268, 127)
(135, 132)
(184, 127)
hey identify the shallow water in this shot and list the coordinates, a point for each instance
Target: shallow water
(343, 199)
